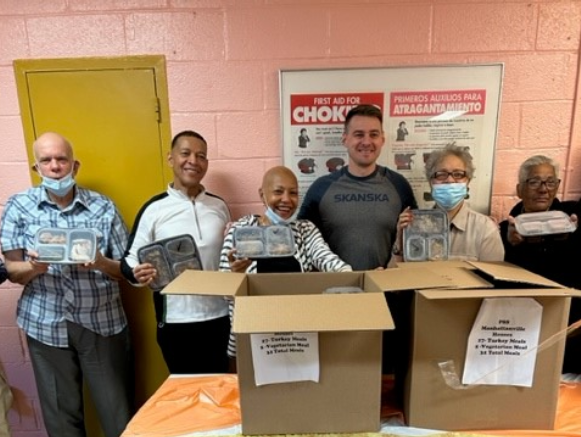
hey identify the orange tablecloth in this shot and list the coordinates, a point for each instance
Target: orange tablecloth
(185, 405)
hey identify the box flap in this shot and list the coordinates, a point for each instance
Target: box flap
(503, 271)
(207, 283)
(482, 293)
(396, 279)
(461, 277)
(312, 313)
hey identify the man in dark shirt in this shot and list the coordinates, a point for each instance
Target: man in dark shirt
(547, 255)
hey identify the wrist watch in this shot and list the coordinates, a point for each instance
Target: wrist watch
(395, 250)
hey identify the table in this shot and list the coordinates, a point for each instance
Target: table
(191, 406)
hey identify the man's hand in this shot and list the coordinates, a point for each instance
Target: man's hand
(21, 271)
(110, 267)
(513, 237)
(144, 273)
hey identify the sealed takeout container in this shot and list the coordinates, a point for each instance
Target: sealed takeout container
(65, 245)
(426, 238)
(170, 257)
(264, 241)
(543, 223)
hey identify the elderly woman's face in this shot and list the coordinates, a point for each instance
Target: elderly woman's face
(282, 194)
(539, 189)
(450, 170)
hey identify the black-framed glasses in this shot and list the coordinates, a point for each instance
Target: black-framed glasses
(536, 183)
(442, 176)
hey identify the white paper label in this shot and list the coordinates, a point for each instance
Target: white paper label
(505, 330)
(285, 357)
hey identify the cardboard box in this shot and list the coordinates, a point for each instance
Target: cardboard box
(442, 322)
(348, 396)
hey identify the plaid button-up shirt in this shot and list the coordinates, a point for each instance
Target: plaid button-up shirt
(66, 292)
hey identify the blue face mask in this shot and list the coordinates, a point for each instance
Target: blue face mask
(275, 219)
(59, 187)
(449, 196)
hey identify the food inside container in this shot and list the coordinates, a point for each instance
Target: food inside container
(264, 241)
(426, 238)
(437, 248)
(170, 257)
(65, 245)
(543, 223)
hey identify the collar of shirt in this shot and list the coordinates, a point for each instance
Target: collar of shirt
(460, 220)
(80, 198)
(180, 195)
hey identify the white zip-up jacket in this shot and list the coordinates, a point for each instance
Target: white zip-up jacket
(170, 214)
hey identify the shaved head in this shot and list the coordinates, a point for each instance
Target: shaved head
(280, 191)
(274, 174)
(51, 139)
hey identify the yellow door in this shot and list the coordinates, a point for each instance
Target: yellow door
(115, 112)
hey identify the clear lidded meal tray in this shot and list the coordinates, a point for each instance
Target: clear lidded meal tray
(264, 241)
(66, 245)
(543, 223)
(170, 257)
(426, 239)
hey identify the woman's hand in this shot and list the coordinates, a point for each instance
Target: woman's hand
(238, 265)
(405, 219)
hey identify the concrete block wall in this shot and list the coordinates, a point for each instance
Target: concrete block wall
(223, 62)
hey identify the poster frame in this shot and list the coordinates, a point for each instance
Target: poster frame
(478, 130)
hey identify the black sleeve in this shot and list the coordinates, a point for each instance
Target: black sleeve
(310, 206)
(404, 189)
(126, 270)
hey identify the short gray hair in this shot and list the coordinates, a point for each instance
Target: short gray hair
(437, 156)
(525, 168)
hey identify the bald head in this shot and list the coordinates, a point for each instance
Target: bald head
(280, 191)
(276, 173)
(53, 154)
(52, 140)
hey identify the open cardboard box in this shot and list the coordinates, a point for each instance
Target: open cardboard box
(442, 321)
(347, 397)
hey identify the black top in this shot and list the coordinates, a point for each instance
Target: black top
(551, 256)
(285, 264)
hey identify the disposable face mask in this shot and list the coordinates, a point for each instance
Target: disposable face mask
(59, 187)
(448, 196)
(275, 219)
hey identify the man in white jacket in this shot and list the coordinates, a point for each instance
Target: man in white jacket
(192, 331)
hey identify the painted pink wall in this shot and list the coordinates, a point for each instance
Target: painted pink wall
(223, 62)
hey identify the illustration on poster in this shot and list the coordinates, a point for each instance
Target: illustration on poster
(307, 165)
(334, 164)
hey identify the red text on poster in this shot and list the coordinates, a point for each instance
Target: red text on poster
(329, 108)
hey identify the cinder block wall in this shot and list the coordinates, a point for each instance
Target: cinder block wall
(223, 62)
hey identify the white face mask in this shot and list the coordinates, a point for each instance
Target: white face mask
(275, 219)
(59, 187)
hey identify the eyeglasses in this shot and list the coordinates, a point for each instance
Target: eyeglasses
(443, 176)
(535, 183)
